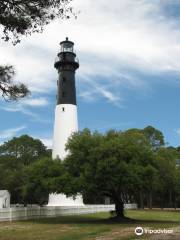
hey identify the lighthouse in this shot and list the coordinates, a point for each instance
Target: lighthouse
(66, 121)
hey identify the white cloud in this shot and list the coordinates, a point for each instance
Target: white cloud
(25, 111)
(19, 108)
(178, 131)
(96, 90)
(11, 132)
(134, 32)
(111, 40)
(23, 106)
(48, 142)
(34, 102)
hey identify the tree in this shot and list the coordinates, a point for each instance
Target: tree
(154, 136)
(23, 149)
(166, 165)
(11, 172)
(8, 89)
(22, 17)
(39, 180)
(144, 184)
(177, 187)
(15, 156)
(105, 164)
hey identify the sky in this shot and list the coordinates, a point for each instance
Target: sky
(129, 75)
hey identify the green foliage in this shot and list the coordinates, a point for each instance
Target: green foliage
(105, 164)
(24, 149)
(8, 89)
(154, 136)
(177, 184)
(15, 156)
(166, 163)
(40, 179)
(124, 166)
(11, 177)
(19, 18)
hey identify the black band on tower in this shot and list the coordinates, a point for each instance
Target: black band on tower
(66, 64)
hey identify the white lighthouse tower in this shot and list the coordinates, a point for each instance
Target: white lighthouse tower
(66, 121)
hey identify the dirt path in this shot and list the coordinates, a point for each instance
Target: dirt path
(117, 234)
(124, 233)
(174, 236)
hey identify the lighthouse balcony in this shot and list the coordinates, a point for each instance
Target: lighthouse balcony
(66, 60)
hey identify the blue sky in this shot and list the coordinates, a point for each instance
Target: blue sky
(129, 74)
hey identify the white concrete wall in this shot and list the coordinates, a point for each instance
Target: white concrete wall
(34, 212)
(4, 199)
(1, 202)
(61, 200)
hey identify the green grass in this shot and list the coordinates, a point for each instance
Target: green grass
(155, 215)
(91, 227)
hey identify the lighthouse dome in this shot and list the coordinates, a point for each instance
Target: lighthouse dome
(67, 46)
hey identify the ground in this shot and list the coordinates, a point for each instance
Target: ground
(94, 227)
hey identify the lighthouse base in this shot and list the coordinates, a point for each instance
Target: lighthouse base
(62, 200)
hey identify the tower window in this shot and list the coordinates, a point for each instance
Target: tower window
(64, 79)
(63, 94)
(63, 109)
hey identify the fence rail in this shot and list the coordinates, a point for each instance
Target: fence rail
(34, 212)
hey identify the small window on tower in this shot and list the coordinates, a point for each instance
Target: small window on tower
(63, 109)
(64, 79)
(63, 94)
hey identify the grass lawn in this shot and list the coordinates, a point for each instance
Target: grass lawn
(93, 227)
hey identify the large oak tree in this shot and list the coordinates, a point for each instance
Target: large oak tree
(107, 165)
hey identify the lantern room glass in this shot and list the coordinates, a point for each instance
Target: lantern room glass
(67, 47)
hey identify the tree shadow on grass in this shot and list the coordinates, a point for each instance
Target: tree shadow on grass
(97, 220)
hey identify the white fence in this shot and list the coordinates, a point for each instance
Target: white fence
(25, 213)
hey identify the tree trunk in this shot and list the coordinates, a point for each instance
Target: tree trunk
(175, 202)
(170, 198)
(162, 201)
(141, 200)
(150, 200)
(147, 200)
(119, 207)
